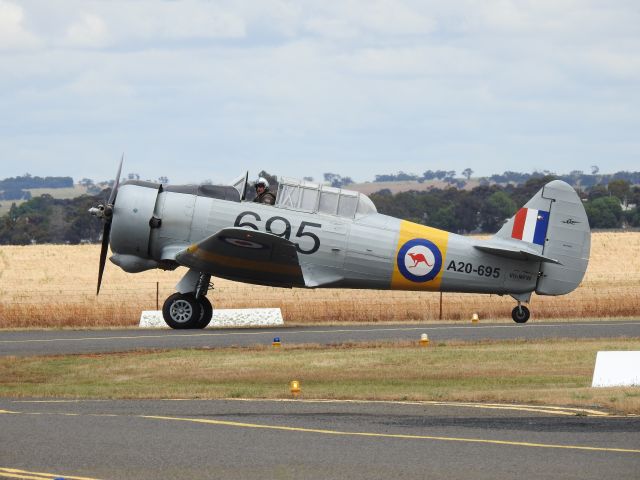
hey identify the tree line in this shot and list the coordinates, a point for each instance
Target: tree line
(15, 188)
(482, 209)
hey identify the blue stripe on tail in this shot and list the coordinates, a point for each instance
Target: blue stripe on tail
(542, 222)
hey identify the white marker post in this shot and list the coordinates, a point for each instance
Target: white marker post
(617, 369)
(224, 318)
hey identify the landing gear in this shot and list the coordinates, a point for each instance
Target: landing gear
(520, 314)
(207, 312)
(182, 310)
(191, 309)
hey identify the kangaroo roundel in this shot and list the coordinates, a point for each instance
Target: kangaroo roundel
(419, 260)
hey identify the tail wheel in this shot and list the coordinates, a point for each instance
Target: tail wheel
(520, 314)
(206, 312)
(182, 310)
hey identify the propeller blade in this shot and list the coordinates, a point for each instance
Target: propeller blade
(106, 232)
(112, 197)
(107, 213)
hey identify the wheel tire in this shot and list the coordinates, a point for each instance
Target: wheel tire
(520, 314)
(181, 311)
(206, 312)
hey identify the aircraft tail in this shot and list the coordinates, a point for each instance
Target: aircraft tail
(553, 224)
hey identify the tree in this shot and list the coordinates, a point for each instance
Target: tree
(498, 208)
(336, 180)
(604, 212)
(597, 191)
(619, 189)
(632, 217)
(467, 172)
(86, 182)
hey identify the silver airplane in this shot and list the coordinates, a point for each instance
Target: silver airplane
(316, 236)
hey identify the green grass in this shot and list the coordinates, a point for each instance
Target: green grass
(550, 372)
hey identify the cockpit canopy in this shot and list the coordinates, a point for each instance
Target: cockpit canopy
(311, 197)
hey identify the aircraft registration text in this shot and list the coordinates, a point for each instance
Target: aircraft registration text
(480, 270)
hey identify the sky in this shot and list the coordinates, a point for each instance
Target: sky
(205, 90)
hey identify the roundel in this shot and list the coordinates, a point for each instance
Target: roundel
(238, 242)
(419, 260)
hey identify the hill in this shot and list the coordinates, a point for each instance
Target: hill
(63, 193)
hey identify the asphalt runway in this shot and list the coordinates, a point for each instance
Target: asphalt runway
(57, 342)
(244, 439)
(227, 439)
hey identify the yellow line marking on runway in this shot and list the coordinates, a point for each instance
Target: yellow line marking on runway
(221, 334)
(284, 332)
(549, 409)
(15, 473)
(6, 474)
(391, 435)
(58, 401)
(342, 433)
(553, 410)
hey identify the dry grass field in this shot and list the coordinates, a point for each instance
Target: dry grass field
(54, 286)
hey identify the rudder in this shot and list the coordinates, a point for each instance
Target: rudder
(568, 240)
(554, 224)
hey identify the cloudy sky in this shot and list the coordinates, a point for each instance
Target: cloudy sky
(197, 90)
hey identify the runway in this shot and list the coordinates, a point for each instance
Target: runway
(238, 439)
(244, 439)
(58, 342)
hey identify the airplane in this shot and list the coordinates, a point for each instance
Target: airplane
(317, 236)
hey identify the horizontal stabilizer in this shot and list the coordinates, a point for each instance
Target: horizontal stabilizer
(516, 253)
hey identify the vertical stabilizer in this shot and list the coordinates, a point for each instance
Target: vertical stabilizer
(553, 223)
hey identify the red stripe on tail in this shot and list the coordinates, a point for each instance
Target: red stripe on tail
(518, 224)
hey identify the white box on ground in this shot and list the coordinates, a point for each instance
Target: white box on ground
(240, 317)
(617, 369)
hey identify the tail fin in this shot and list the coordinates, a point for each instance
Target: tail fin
(554, 224)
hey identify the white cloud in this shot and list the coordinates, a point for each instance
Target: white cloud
(89, 31)
(13, 34)
(300, 84)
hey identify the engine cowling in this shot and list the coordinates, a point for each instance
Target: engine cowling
(130, 230)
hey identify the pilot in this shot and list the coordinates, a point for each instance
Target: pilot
(263, 195)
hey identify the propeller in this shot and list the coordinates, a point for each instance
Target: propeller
(105, 212)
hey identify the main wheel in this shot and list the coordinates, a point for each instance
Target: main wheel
(207, 312)
(520, 314)
(182, 310)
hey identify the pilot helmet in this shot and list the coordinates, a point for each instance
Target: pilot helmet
(262, 181)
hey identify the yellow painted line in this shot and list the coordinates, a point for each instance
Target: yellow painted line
(391, 435)
(553, 410)
(57, 401)
(5, 474)
(220, 334)
(343, 433)
(15, 473)
(283, 332)
(22, 476)
(548, 409)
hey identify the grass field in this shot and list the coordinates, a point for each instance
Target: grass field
(543, 372)
(54, 286)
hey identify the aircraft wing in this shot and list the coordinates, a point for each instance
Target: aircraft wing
(245, 255)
